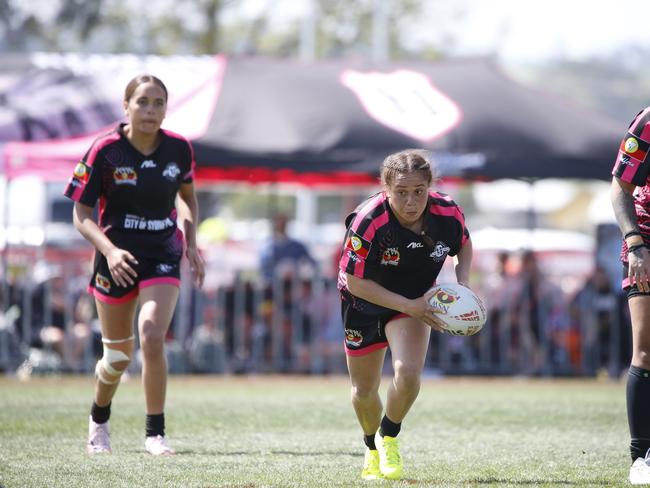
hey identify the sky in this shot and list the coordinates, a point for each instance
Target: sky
(518, 30)
(570, 29)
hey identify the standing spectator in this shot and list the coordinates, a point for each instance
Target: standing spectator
(281, 255)
(499, 286)
(536, 317)
(594, 316)
(206, 345)
(48, 308)
(136, 171)
(82, 340)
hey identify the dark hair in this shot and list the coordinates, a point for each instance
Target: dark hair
(140, 80)
(407, 161)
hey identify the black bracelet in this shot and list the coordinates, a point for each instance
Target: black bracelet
(632, 233)
(636, 247)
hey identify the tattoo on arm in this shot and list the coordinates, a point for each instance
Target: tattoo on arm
(623, 205)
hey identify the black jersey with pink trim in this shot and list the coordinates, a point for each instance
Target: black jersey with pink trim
(378, 248)
(633, 166)
(136, 193)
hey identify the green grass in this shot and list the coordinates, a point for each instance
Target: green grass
(290, 432)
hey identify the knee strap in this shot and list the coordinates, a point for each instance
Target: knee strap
(110, 357)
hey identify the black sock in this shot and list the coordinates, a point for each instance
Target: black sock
(100, 415)
(389, 428)
(638, 406)
(156, 425)
(369, 441)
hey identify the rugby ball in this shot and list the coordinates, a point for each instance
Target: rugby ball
(459, 308)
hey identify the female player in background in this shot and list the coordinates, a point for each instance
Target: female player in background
(136, 171)
(630, 194)
(396, 243)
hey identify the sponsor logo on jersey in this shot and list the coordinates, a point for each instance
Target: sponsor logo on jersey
(626, 160)
(148, 163)
(440, 251)
(171, 171)
(353, 257)
(102, 283)
(136, 222)
(390, 257)
(357, 245)
(125, 175)
(414, 245)
(353, 337)
(164, 268)
(81, 172)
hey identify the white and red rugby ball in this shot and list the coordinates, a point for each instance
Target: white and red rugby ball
(459, 308)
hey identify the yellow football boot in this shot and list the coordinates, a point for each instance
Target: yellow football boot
(390, 460)
(371, 466)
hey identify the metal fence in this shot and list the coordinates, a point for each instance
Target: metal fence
(293, 325)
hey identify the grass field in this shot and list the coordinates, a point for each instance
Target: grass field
(289, 431)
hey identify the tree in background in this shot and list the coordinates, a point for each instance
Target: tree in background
(312, 29)
(342, 27)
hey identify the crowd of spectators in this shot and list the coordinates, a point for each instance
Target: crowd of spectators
(286, 319)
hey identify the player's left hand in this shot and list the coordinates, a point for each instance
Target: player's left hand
(197, 266)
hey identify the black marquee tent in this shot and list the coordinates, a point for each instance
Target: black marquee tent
(256, 119)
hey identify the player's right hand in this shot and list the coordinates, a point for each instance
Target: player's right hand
(119, 264)
(428, 315)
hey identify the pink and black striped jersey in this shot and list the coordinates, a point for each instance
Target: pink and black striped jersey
(378, 248)
(633, 166)
(136, 193)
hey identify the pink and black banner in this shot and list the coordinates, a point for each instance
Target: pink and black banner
(269, 120)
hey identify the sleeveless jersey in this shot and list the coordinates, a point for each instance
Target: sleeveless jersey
(136, 193)
(378, 248)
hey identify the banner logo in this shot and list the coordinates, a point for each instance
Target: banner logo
(405, 101)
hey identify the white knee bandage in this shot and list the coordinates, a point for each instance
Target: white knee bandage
(110, 357)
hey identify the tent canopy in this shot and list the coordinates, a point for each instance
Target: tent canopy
(254, 119)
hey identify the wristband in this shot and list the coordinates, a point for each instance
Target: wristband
(632, 233)
(636, 247)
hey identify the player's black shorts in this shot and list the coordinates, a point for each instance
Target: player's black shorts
(150, 272)
(630, 289)
(365, 333)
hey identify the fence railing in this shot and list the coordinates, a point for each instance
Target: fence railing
(293, 325)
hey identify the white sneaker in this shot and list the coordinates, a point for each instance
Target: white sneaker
(640, 472)
(157, 445)
(99, 440)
